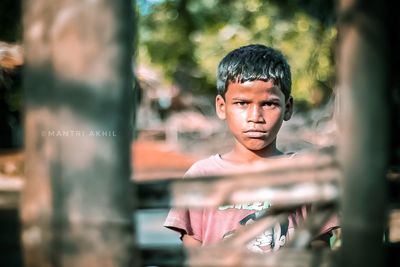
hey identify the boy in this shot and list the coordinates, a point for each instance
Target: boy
(254, 87)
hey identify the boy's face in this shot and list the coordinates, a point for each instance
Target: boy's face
(254, 112)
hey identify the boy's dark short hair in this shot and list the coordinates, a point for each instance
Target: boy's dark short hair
(254, 62)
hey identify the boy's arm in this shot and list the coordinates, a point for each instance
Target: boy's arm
(190, 241)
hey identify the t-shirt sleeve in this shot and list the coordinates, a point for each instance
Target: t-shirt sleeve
(185, 221)
(331, 224)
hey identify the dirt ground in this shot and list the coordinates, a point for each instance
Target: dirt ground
(150, 160)
(155, 159)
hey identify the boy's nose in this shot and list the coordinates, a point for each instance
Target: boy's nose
(255, 114)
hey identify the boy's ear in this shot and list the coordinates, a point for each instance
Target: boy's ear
(288, 109)
(220, 107)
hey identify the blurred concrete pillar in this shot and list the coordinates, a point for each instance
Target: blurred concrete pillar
(77, 201)
(364, 126)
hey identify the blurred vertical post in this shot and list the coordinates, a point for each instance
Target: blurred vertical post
(77, 201)
(364, 123)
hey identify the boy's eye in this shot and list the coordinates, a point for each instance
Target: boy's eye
(270, 104)
(240, 103)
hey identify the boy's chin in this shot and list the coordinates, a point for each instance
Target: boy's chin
(257, 146)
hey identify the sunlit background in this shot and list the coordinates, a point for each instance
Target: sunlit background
(180, 43)
(185, 40)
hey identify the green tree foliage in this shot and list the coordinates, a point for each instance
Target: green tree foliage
(186, 39)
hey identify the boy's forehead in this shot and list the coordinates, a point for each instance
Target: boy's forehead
(270, 86)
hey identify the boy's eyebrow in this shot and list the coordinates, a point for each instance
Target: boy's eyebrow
(268, 99)
(239, 98)
(273, 98)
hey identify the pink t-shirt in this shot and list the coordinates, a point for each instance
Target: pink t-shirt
(211, 225)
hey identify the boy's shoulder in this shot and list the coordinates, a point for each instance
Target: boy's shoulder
(213, 165)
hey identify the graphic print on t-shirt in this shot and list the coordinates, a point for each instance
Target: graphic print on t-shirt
(271, 239)
(252, 206)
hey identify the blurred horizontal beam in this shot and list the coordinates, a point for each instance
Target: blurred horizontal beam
(224, 255)
(11, 55)
(10, 188)
(310, 177)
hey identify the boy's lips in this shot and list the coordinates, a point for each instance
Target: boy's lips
(255, 133)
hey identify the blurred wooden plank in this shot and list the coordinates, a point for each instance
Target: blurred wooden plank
(77, 203)
(365, 129)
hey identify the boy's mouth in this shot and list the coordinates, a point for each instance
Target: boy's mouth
(255, 133)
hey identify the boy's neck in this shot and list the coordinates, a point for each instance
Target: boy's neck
(242, 155)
